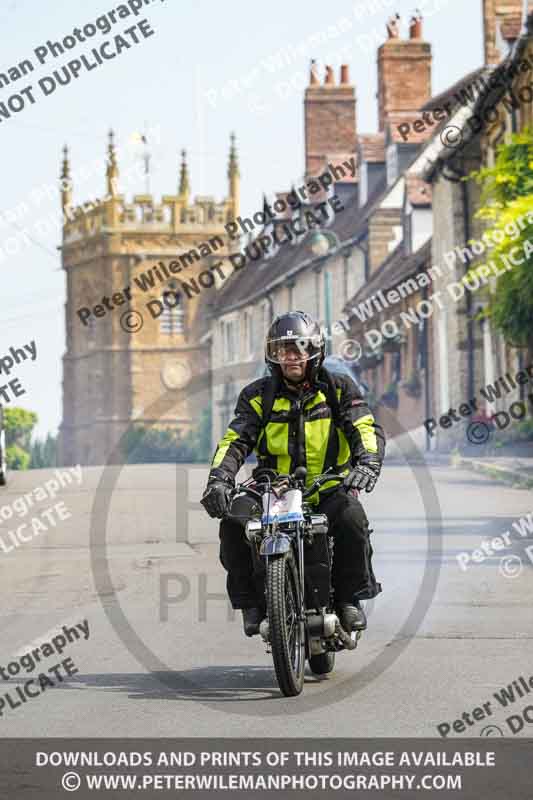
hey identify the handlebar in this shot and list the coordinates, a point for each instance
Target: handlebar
(288, 480)
(320, 480)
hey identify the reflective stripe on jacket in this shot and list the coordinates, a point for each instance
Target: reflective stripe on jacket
(300, 432)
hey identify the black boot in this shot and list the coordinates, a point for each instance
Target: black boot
(351, 616)
(251, 618)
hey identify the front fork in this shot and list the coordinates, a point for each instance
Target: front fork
(298, 553)
(301, 575)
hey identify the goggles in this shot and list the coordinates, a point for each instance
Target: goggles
(294, 349)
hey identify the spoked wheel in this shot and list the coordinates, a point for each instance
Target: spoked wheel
(287, 637)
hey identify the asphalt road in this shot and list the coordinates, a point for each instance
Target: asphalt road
(165, 655)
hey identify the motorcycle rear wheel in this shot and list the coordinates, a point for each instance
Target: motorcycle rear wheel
(287, 635)
(322, 663)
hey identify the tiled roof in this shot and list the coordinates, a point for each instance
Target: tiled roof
(410, 265)
(436, 152)
(354, 225)
(448, 95)
(255, 276)
(396, 267)
(250, 282)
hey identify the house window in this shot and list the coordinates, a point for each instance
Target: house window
(171, 320)
(253, 329)
(265, 312)
(229, 340)
(248, 333)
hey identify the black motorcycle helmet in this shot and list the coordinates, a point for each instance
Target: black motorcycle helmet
(300, 328)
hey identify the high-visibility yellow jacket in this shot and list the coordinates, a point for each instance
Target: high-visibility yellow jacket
(300, 432)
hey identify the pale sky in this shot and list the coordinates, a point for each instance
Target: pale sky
(210, 68)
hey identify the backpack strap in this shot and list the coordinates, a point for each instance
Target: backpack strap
(331, 396)
(267, 400)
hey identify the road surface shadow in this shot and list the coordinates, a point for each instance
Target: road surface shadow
(241, 683)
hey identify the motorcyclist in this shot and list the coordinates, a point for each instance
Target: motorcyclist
(301, 431)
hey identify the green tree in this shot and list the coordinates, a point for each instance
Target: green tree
(147, 445)
(43, 453)
(17, 458)
(507, 205)
(18, 425)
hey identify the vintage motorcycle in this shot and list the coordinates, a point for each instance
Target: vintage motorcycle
(292, 554)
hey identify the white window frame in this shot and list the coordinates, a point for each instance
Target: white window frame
(248, 332)
(265, 318)
(230, 339)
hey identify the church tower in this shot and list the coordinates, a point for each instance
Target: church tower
(139, 276)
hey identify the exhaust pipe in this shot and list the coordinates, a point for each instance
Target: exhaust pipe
(346, 639)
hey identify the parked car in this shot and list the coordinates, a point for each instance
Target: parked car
(3, 462)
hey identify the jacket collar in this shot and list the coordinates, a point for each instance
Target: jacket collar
(305, 387)
(299, 388)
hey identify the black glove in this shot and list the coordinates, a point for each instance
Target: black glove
(364, 475)
(216, 498)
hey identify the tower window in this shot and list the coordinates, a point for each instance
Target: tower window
(171, 320)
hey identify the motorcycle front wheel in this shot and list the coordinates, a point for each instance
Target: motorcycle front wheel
(287, 635)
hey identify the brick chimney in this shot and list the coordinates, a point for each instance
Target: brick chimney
(404, 70)
(330, 125)
(502, 21)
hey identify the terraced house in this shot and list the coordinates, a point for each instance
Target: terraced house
(374, 256)
(381, 272)
(339, 260)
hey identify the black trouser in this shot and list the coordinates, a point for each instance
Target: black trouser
(352, 574)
